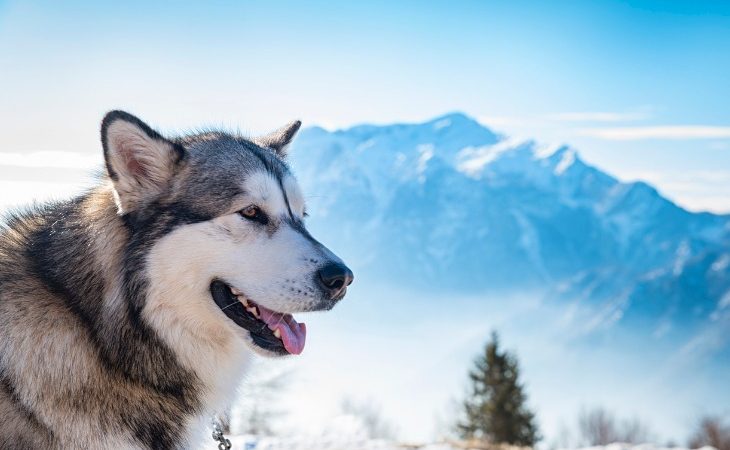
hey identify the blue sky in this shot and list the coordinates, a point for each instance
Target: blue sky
(640, 88)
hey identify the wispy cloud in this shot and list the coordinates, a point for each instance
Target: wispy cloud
(599, 116)
(502, 121)
(57, 159)
(720, 145)
(674, 132)
(696, 190)
(561, 125)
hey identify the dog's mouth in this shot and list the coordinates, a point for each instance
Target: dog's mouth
(273, 331)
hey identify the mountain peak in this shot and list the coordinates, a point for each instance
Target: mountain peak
(452, 118)
(458, 121)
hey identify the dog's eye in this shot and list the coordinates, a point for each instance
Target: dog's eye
(254, 213)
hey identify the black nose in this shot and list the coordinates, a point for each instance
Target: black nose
(335, 278)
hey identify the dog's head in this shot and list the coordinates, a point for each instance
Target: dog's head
(218, 220)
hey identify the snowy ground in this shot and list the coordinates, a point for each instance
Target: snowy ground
(248, 442)
(323, 443)
(619, 446)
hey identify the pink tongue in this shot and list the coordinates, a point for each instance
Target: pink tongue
(293, 334)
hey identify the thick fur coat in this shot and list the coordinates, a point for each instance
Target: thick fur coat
(112, 331)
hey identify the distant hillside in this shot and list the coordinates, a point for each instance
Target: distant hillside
(449, 204)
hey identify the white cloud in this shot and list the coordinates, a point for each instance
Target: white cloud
(696, 190)
(57, 159)
(503, 121)
(599, 116)
(658, 132)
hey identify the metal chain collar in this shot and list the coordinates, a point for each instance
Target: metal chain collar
(223, 443)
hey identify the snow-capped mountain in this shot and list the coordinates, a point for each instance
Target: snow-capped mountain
(449, 204)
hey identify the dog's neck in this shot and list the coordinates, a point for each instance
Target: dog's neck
(211, 352)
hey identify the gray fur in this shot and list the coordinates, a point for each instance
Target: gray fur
(280, 139)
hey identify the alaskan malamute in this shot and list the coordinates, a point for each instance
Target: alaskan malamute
(128, 314)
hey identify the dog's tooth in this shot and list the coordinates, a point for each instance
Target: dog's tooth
(254, 310)
(235, 291)
(277, 333)
(243, 300)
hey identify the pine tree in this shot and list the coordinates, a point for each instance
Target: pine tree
(495, 410)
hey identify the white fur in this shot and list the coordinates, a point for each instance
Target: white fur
(263, 190)
(294, 194)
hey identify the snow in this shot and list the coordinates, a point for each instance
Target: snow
(249, 442)
(724, 301)
(365, 145)
(344, 442)
(722, 263)
(425, 154)
(567, 160)
(622, 446)
(683, 255)
(473, 160)
(443, 123)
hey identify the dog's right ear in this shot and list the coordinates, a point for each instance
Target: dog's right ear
(139, 161)
(279, 140)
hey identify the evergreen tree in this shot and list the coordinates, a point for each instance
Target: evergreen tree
(495, 410)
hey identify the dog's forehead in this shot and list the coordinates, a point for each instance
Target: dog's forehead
(265, 188)
(280, 195)
(227, 167)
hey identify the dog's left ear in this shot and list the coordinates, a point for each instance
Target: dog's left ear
(280, 139)
(140, 162)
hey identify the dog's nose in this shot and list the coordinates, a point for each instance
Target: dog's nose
(334, 278)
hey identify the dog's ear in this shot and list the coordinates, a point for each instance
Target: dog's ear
(139, 161)
(280, 139)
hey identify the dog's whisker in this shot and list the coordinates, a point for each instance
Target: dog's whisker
(228, 306)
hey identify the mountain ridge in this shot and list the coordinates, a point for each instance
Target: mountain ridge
(450, 204)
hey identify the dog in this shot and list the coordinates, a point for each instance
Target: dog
(129, 313)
